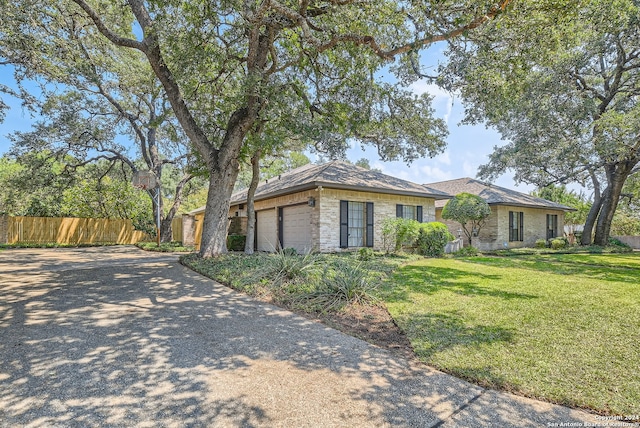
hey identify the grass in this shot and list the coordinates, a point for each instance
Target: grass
(561, 327)
(165, 247)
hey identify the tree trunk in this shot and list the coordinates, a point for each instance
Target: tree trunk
(166, 228)
(223, 172)
(594, 211)
(616, 176)
(216, 219)
(251, 213)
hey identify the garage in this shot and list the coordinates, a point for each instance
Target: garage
(266, 230)
(296, 228)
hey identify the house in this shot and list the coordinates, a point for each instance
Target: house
(516, 220)
(331, 207)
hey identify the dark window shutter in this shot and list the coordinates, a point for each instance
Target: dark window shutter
(419, 213)
(510, 225)
(369, 237)
(398, 211)
(521, 226)
(280, 229)
(255, 232)
(344, 224)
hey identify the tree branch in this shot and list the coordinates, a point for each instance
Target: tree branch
(390, 54)
(113, 37)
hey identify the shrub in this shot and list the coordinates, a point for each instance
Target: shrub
(467, 252)
(617, 246)
(365, 254)
(289, 251)
(288, 266)
(344, 284)
(236, 242)
(541, 243)
(399, 232)
(432, 239)
(558, 244)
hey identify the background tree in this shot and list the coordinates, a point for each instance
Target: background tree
(560, 81)
(97, 102)
(627, 218)
(577, 201)
(563, 89)
(471, 211)
(33, 185)
(37, 185)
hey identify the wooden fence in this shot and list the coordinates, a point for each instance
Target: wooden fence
(72, 231)
(176, 229)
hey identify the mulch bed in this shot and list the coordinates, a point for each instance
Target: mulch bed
(369, 323)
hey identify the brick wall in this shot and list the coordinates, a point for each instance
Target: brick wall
(494, 235)
(325, 216)
(188, 230)
(384, 206)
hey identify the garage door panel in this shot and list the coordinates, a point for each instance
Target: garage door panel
(267, 230)
(296, 224)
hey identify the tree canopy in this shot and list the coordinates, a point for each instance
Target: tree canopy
(560, 81)
(471, 211)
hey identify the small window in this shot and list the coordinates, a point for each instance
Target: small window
(552, 226)
(411, 212)
(516, 226)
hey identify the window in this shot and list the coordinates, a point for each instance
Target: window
(412, 212)
(516, 229)
(552, 226)
(356, 224)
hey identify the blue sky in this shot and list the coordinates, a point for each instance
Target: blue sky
(468, 147)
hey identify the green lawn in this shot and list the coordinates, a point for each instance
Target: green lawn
(564, 328)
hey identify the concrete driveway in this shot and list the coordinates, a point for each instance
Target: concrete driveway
(115, 336)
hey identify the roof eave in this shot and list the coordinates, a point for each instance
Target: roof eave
(316, 184)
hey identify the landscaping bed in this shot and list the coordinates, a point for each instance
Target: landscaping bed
(286, 280)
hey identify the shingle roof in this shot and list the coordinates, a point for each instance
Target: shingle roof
(335, 175)
(494, 195)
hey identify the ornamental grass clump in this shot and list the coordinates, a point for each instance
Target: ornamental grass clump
(343, 283)
(287, 266)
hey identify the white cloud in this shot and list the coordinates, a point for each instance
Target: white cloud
(443, 158)
(469, 169)
(430, 174)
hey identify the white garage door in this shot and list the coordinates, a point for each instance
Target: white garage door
(296, 228)
(267, 230)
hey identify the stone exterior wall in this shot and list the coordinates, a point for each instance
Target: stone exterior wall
(284, 201)
(325, 216)
(632, 241)
(494, 235)
(384, 206)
